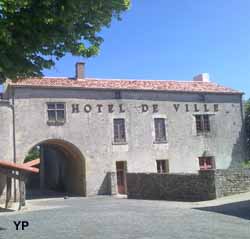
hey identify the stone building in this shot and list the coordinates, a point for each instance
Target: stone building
(90, 132)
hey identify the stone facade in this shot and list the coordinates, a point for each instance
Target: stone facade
(229, 182)
(88, 131)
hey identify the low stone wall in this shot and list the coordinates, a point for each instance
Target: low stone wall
(205, 185)
(232, 181)
(184, 187)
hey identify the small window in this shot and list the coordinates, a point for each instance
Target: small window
(56, 113)
(202, 123)
(160, 130)
(206, 163)
(162, 166)
(118, 95)
(119, 131)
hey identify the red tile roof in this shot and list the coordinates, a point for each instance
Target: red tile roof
(118, 84)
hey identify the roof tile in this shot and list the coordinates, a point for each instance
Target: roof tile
(119, 84)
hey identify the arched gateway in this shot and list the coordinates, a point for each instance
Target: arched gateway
(62, 169)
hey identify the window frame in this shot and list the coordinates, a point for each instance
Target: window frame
(56, 110)
(122, 139)
(206, 166)
(118, 95)
(202, 125)
(160, 140)
(159, 166)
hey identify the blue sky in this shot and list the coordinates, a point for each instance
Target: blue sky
(174, 40)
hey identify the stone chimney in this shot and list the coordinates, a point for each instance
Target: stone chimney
(203, 77)
(80, 70)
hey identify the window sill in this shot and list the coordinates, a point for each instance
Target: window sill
(55, 123)
(160, 142)
(119, 143)
(208, 169)
(206, 134)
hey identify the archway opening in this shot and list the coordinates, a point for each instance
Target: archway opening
(62, 170)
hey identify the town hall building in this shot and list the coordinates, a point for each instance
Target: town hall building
(90, 132)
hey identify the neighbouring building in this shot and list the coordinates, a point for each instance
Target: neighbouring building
(90, 132)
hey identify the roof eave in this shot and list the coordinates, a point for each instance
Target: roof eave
(124, 89)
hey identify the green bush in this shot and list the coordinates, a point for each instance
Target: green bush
(33, 154)
(246, 164)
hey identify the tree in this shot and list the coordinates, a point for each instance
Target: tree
(34, 153)
(247, 125)
(35, 33)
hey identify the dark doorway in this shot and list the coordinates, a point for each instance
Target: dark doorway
(62, 171)
(121, 169)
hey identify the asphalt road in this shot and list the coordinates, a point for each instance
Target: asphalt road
(116, 218)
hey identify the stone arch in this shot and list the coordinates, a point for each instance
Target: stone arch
(75, 175)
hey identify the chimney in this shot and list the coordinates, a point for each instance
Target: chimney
(203, 77)
(80, 70)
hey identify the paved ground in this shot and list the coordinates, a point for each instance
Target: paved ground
(116, 218)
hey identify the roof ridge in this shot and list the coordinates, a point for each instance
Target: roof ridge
(117, 79)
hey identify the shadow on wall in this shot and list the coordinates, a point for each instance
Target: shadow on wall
(103, 190)
(108, 186)
(2, 184)
(239, 151)
(237, 209)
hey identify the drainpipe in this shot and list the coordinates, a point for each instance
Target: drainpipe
(242, 108)
(12, 106)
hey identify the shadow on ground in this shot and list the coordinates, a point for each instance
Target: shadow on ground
(237, 209)
(40, 194)
(5, 210)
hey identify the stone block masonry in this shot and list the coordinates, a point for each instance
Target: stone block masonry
(183, 187)
(206, 185)
(234, 181)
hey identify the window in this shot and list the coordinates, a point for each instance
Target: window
(202, 123)
(206, 163)
(56, 113)
(162, 166)
(119, 131)
(160, 130)
(118, 95)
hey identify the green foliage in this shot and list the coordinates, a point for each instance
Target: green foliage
(247, 125)
(34, 33)
(246, 164)
(33, 154)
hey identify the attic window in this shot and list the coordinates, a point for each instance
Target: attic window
(118, 95)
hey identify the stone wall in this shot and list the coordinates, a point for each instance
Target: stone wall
(93, 137)
(206, 185)
(92, 133)
(184, 187)
(233, 181)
